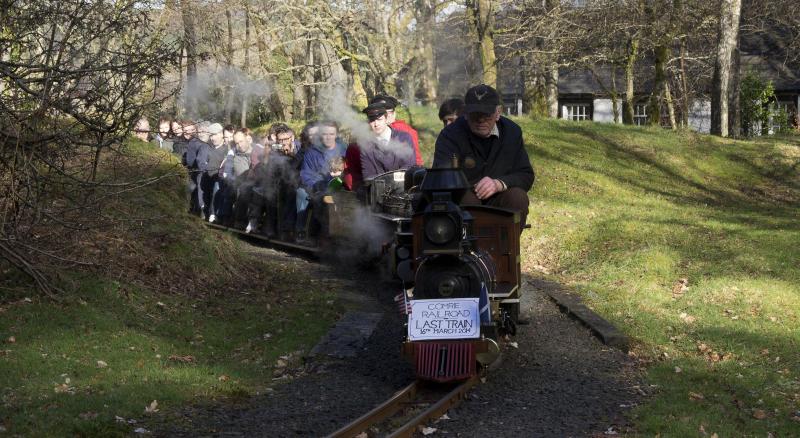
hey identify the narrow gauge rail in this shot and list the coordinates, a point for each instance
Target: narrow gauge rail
(417, 394)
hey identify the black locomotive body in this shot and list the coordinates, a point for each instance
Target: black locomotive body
(462, 252)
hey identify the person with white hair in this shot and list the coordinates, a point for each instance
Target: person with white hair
(210, 180)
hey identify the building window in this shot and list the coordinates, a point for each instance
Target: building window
(640, 114)
(577, 111)
(781, 116)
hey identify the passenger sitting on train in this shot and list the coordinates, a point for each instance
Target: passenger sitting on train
(388, 150)
(178, 142)
(309, 137)
(236, 171)
(315, 173)
(196, 160)
(390, 103)
(211, 180)
(274, 187)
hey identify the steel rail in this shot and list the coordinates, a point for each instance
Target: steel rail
(394, 404)
(381, 412)
(436, 410)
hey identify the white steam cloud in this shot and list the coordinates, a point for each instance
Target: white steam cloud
(214, 89)
(337, 107)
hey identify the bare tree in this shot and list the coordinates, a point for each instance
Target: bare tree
(730, 12)
(482, 20)
(76, 77)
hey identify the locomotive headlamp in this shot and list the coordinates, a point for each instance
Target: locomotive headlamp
(440, 228)
(453, 286)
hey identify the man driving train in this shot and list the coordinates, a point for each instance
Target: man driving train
(490, 151)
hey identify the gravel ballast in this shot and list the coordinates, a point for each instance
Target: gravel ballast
(559, 380)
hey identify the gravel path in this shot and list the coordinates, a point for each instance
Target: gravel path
(560, 381)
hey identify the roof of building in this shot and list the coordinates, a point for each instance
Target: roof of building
(768, 54)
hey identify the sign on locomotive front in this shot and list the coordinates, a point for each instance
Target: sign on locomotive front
(455, 318)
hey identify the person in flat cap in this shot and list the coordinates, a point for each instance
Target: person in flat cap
(490, 151)
(388, 149)
(390, 103)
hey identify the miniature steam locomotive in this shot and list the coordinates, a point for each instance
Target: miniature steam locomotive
(459, 266)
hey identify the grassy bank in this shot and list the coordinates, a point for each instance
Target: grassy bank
(172, 312)
(622, 214)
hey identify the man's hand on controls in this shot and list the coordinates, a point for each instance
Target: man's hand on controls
(487, 187)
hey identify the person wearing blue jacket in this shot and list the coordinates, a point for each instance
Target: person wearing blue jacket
(315, 172)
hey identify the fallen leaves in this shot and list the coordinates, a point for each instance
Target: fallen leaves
(428, 430)
(64, 388)
(711, 355)
(696, 396)
(181, 359)
(679, 288)
(686, 318)
(101, 364)
(151, 408)
(759, 414)
(11, 340)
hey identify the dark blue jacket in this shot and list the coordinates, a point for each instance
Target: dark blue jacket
(503, 158)
(197, 154)
(398, 154)
(315, 173)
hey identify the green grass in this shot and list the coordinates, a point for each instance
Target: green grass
(169, 312)
(622, 213)
(52, 376)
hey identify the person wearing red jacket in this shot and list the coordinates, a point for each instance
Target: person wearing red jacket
(390, 103)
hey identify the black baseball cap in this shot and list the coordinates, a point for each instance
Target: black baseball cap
(481, 99)
(388, 102)
(374, 110)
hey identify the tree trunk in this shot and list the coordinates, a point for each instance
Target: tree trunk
(614, 94)
(310, 89)
(656, 96)
(551, 84)
(176, 107)
(685, 87)
(673, 123)
(730, 11)
(298, 91)
(482, 21)
(243, 120)
(630, 61)
(426, 23)
(190, 44)
(735, 125)
(229, 89)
